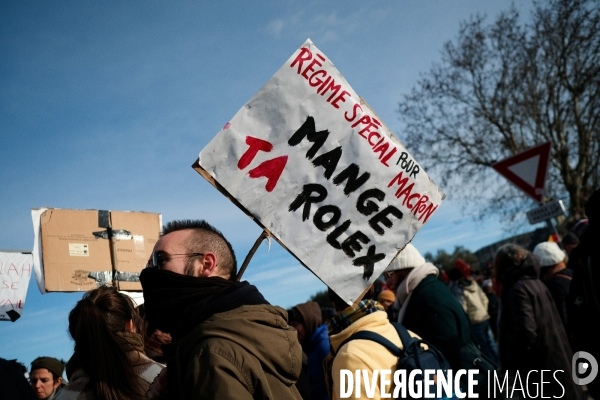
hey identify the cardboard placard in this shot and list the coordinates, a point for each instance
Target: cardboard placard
(70, 245)
(15, 271)
(309, 160)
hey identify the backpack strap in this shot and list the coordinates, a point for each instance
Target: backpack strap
(374, 337)
(405, 337)
(559, 275)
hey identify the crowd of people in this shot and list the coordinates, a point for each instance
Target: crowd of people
(202, 334)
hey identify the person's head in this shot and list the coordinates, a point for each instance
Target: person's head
(580, 227)
(194, 248)
(99, 324)
(386, 298)
(45, 376)
(508, 261)
(339, 304)
(569, 242)
(455, 275)
(463, 267)
(401, 266)
(327, 313)
(305, 318)
(548, 255)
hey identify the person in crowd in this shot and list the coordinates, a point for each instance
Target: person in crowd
(475, 303)
(153, 344)
(531, 334)
(428, 308)
(583, 303)
(386, 298)
(327, 313)
(443, 276)
(45, 377)
(580, 227)
(555, 274)
(488, 289)
(154, 339)
(13, 384)
(354, 355)
(228, 342)
(569, 242)
(109, 361)
(313, 337)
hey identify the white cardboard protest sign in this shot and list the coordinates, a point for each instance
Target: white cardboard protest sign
(316, 167)
(15, 272)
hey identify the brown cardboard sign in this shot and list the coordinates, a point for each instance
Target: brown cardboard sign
(133, 254)
(73, 246)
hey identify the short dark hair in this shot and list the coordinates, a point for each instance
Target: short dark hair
(206, 238)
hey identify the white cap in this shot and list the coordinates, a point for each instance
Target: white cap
(409, 257)
(549, 254)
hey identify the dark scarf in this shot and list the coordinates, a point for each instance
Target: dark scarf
(177, 303)
(171, 299)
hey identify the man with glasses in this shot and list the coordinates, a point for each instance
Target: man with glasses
(227, 340)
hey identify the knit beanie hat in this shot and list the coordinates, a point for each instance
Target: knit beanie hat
(386, 295)
(51, 364)
(463, 267)
(409, 257)
(549, 254)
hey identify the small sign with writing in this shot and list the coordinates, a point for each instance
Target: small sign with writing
(319, 170)
(546, 211)
(15, 271)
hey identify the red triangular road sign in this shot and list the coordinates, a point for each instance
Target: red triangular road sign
(527, 170)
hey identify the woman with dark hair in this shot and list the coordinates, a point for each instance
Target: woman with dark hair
(109, 361)
(531, 335)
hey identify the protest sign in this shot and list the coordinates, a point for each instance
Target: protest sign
(309, 160)
(15, 271)
(79, 250)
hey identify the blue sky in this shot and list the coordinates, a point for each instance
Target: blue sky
(105, 105)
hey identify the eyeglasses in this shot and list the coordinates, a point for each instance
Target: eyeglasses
(158, 259)
(387, 274)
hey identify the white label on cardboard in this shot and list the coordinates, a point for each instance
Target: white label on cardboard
(318, 168)
(15, 271)
(138, 243)
(79, 250)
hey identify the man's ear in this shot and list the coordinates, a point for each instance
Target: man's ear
(58, 382)
(208, 265)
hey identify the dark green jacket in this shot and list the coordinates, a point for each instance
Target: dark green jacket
(246, 353)
(434, 314)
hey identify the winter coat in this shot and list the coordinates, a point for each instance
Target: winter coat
(317, 349)
(531, 334)
(145, 368)
(475, 302)
(558, 285)
(246, 353)
(583, 302)
(365, 354)
(434, 314)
